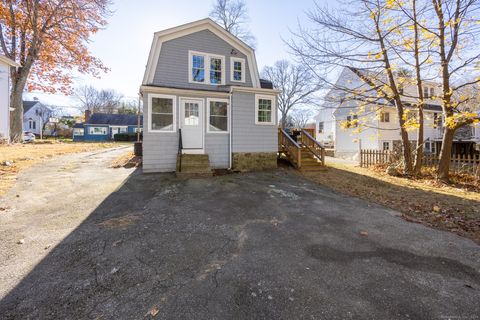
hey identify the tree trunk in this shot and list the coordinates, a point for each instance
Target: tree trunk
(16, 116)
(420, 137)
(443, 170)
(407, 154)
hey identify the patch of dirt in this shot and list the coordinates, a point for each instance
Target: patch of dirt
(119, 222)
(454, 207)
(127, 160)
(17, 157)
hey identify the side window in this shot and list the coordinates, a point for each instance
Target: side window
(162, 113)
(97, 130)
(321, 126)
(425, 93)
(217, 115)
(385, 116)
(432, 92)
(237, 69)
(386, 145)
(264, 108)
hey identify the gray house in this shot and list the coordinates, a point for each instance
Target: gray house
(204, 102)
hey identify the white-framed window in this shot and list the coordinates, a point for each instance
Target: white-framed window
(352, 121)
(78, 131)
(217, 115)
(162, 113)
(138, 129)
(425, 93)
(386, 145)
(32, 124)
(427, 147)
(237, 69)
(432, 92)
(321, 127)
(206, 68)
(97, 130)
(265, 110)
(384, 116)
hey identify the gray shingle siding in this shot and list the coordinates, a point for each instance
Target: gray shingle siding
(159, 149)
(173, 66)
(247, 136)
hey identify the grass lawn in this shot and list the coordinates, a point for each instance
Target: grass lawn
(17, 157)
(453, 207)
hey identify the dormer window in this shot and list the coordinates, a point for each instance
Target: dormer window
(237, 69)
(206, 68)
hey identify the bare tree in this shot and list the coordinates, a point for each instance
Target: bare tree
(296, 83)
(301, 117)
(95, 100)
(232, 15)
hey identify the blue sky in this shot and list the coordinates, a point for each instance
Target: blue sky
(125, 43)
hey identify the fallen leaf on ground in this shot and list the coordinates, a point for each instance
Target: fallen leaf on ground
(152, 312)
(364, 233)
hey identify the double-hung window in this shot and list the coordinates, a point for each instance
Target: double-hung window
(384, 116)
(264, 110)
(217, 115)
(198, 68)
(237, 69)
(161, 113)
(206, 68)
(78, 131)
(321, 126)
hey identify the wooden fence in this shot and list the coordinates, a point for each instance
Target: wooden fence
(468, 164)
(372, 157)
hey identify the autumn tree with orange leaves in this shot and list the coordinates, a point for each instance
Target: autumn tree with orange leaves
(48, 38)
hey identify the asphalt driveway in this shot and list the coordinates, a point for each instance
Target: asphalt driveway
(264, 245)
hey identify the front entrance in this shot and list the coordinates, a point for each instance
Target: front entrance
(115, 130)
(191, 123)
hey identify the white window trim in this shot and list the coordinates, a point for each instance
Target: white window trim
(78, 129)
(274, 110)
(208, 115)
(174, 109)
(389, 145)
(92, 133)
(207, 57)
(232, 62)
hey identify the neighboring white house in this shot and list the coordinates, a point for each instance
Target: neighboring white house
(5, 65)
(35, 116)
(378, 128)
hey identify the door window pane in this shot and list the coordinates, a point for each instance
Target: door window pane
(191, 117)
(162, 114)
(218, 116)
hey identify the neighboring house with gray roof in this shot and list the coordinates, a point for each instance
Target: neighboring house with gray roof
(35, 116)
(104, 126)
(203, 96)
(379, 128)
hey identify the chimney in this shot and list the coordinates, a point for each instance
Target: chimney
(88, 114)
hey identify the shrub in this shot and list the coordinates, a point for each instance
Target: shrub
(127, 136)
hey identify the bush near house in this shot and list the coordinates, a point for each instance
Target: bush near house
(127, 136)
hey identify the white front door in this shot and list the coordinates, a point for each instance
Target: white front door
(191, 123)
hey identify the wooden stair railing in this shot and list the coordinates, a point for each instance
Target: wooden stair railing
(292, 149)
(313, 146)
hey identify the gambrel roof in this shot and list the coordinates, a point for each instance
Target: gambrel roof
(192, 27)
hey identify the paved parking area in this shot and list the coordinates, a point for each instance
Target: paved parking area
(267, 245)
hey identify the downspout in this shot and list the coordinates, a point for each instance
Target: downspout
(231, 129)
